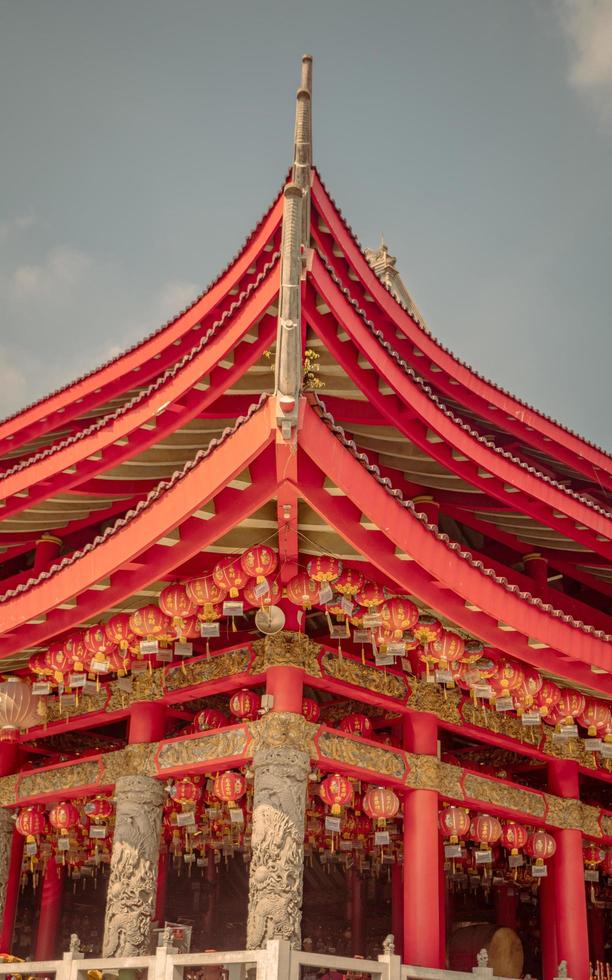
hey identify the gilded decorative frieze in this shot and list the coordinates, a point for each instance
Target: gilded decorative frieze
(208, 669)
(501, 794)
(287, 649)
(148, 685)
(573, 749)
(133, 760)
(35, 784)
(87, 703)
(605, 823)
(217, 745)
(424, 772)
(385, 762)
(361, 675)
(8, 790)
(282, 729)
(499, 722)
(562, 813)
(337, 711)
(429, 697)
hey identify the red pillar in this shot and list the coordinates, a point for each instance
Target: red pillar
(286, 684)
(442, 901)
(211, 878)
(537, 568)
(428, 506)
(421, 854)
(162, 887)
(570, 895)
(505, 898)
(10, 753)
(357, 920)
(47, 548)
(548, 924)
(147, 722)
(397, 906)
(50, 910)
(597, 935)
(11, 897)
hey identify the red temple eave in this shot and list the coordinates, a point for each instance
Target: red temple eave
(440, 575)
(130, 432)
(534, 428)
(124, 371)
(483, 466)
(171, 508)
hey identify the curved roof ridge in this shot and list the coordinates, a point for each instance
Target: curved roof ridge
(144, 393)
(420, 322)
(434, 397)
(363, 458)
(154, 333)
(158, 491)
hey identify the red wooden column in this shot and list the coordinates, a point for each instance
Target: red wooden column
(548, 924)
(162, 888)
(11, 895)
(421, 854)
(47, 548)
(397, 906)
(147, 722)
(570, 896)
(50, 911)
(285, 684)
(357, 915)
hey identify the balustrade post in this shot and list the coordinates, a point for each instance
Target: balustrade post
(130, 903)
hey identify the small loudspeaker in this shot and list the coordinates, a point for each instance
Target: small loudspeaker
(270, 620)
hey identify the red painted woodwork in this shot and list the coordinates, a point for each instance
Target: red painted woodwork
(286, 685)
(50, 910)
(47, 548)
(548, 924)
(162, 887)
(570, 904)
(357, 914)
(421, 879)
(397, 906)
(147, 722)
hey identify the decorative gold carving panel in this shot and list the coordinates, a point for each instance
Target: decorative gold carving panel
(370, 678)
(386, 762)
(208, 669)
(287, 650)
(283, 729)
(500, 794)
(218, 745)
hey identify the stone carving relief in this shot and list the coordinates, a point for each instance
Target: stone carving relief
(218, 745)
(287, 649)
(388, 762)
(283, 729)
(130, 902)
(372, 678)
(277, 844)
(7, 829)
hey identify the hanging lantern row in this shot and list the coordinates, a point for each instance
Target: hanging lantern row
(76, 833)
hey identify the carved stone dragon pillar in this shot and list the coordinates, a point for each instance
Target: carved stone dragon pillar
(281, 764)
(7, 829)
(130, 904)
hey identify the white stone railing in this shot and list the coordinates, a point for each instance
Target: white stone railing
(276, 962)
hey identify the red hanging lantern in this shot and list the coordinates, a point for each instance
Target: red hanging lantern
(37, 665)
(208, 719)
(118, 662)
(268, 598)
(356, 724)
(336, 791)
(229, 574)
(548, 697)
(97, 641)
(607, 863)
(229, 787)
(381, 804)
(447, 649)
(570, 706)
(302, 591)
(427, 630)
(398, 616)
(349, 581)
(485, 830)
(150, 623)
(259, 562)
(57, 662)
(525, 694)
(593, 855)
(540, 846)
(514, 836)
(507, 678)
(98, 809)
(454, 823)
(175, 603)
(63, 816)
(370, 595)
(596, 717)
(119, 632)
(185, 792)
(324, 568)
(310, 710)
(245, 704)
(205, 592)
(31, 822)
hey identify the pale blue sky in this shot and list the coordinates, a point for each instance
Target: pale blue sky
(142, 139)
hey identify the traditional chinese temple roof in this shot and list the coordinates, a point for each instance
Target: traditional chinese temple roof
(301, 401)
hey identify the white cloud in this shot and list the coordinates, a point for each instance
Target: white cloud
(54, 279)
(13, 383)
(588, 26)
